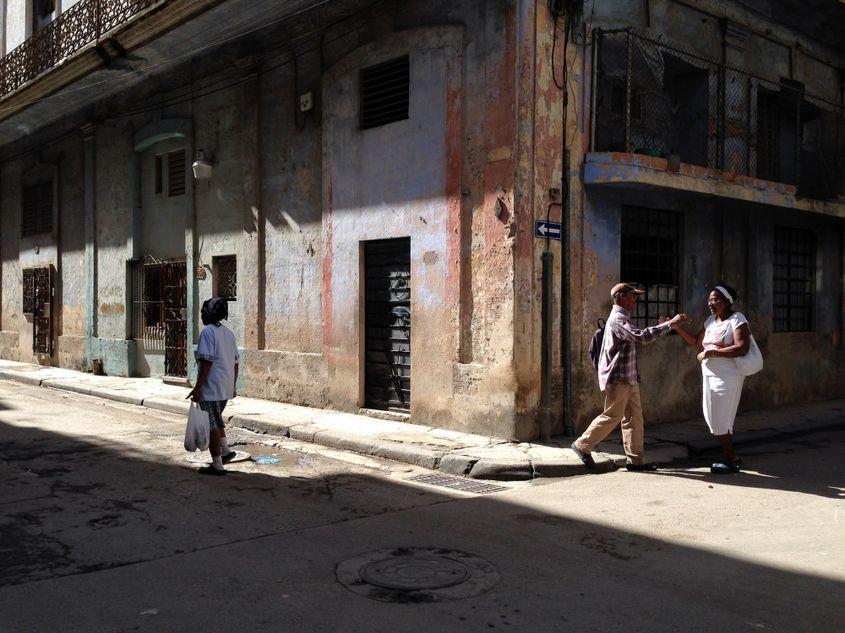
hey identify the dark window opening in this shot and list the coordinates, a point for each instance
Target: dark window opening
(225, 277)
(176, 173)
(651, 242)
(37, 215)
(794, 279)
(159, 174)
(385, 93)
(42, 13)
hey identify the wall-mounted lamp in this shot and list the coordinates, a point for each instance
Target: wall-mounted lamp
(202, 167)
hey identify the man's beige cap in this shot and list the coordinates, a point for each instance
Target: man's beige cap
(620, 288)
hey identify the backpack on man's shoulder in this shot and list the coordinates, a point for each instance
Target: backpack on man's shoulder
(596, 342)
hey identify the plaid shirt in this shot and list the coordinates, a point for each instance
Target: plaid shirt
(618, 358)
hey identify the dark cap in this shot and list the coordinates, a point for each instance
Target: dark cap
(619, 289)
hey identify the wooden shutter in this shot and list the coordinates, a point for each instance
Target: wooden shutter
(176, 173)
(37, 212)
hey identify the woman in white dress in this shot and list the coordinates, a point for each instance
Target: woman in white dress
(724, 337)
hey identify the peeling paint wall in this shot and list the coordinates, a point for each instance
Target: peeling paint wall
(727, 230)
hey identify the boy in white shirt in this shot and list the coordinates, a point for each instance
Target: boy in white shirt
(217, 358)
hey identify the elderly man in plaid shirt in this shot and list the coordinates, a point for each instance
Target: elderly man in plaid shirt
(619, 379)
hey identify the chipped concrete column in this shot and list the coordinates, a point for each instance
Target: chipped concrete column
(90, 242)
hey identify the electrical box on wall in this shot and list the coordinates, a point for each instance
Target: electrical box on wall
(306, 101)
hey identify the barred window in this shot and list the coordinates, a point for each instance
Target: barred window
(225, 271)
(385, 93)
(651, 255)
(794, 279)
(37, 212)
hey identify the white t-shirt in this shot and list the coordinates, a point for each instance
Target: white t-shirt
(218, 345)
(718, 336)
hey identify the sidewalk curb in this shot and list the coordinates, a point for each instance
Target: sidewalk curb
(470, 461)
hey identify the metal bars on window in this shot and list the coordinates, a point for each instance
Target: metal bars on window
(225, 270)
(84, 22)
(668, 101)
(37, 211)
(385, 93)
(651, 243)
(794, 279)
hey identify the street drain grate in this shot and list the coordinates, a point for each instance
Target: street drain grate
(417, 574)
(456, 483)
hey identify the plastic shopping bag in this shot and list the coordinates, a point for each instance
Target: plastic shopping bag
(197, 432)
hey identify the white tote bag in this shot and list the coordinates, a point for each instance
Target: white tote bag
(752, 362)
(197, 431)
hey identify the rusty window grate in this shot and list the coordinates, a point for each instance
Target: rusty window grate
(794, 279)
(225, 270)
(28, 290)
(176, 173)
(37, 212)
(651, 241)
(385, 93)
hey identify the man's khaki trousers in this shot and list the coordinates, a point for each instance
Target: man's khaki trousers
(621, 405)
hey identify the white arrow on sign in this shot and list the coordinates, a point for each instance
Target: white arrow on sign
(544, 228)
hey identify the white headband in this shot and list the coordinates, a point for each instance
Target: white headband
(725, 293)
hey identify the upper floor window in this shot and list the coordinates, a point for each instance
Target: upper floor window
(651, 254)
(37, 211)
(42, 13)
(794, 279)
(385, 93)
(170, 169)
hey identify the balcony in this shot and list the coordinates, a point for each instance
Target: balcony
(667, 109)
(85, 22)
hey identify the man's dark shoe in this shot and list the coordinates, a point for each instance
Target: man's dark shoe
(211, 470)
(229, 456)
(722, 468)
(588, 460)
(640, 468)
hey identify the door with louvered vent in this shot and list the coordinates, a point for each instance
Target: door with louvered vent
(387, 265)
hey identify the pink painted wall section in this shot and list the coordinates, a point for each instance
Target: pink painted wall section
(393, 181)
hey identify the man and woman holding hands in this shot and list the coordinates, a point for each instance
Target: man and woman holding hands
(724, 337)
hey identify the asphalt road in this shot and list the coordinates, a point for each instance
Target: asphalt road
(105, 526)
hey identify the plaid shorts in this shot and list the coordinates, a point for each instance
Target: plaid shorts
(214, 409)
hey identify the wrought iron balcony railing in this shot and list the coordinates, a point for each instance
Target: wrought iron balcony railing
(660, 100)
(85, 22)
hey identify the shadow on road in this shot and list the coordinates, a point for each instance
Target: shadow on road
(264, 546)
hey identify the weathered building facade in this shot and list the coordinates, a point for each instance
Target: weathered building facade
(362, 181)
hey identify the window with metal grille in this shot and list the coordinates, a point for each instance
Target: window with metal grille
(385, 93)
(794, 279)
(651, 255)
(147, 322)
(28, 290)
(37, 212)
(225, 277)
(176, 173)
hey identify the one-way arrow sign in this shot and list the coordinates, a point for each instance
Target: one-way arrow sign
(543, 228)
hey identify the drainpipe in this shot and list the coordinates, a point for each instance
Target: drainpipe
(565, 319)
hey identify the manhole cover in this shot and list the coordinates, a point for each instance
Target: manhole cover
(417, 574)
